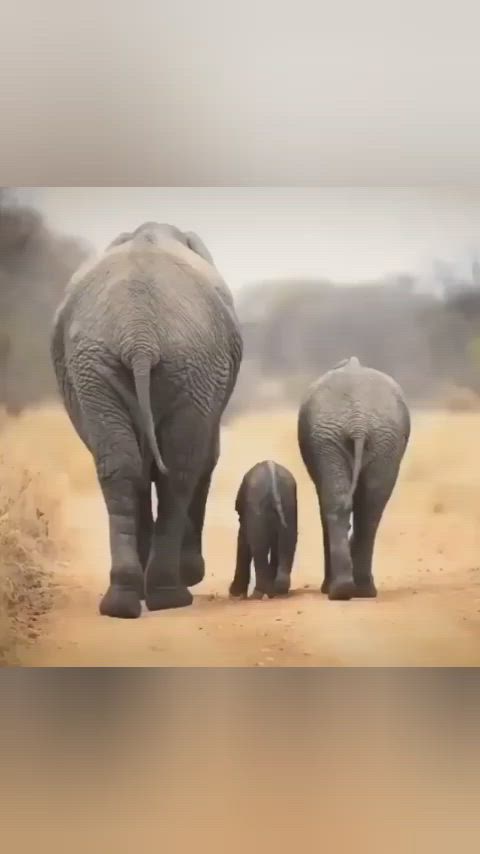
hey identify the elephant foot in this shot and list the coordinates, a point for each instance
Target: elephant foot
(235, 591)
(325, 586)
(281, 585)
(164, 598)
(365, 589)
(341, 589)
(192, 568)
(121, 603)
(259, 594)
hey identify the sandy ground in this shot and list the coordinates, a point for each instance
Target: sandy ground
(427, 568)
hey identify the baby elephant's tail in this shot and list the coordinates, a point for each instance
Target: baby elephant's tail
(358, 449)
(276, 494)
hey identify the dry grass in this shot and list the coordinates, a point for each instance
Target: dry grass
(32, 539)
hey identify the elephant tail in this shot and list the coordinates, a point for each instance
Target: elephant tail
(358, 448)
(141, 369)
(276, 495)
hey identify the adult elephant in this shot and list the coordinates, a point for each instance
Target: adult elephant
(353, 430)
(146, 348)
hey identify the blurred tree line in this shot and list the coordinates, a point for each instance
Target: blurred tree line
(428, 339)
(35, 265)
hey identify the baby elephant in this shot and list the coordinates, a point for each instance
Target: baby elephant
(267, 510)
(353, 429)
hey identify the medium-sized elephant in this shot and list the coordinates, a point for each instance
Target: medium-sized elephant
(266, 505)
(353, 430)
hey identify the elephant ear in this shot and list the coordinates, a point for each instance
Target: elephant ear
(353, 361)
(196, 244)
(122, 238)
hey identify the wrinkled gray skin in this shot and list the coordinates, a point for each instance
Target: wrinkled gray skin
(353, 429)
(267, 510)
(146, 348)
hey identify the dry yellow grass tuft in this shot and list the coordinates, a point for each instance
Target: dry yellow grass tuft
(39, 460)
(29, 544)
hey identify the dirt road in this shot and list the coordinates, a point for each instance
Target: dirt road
(427, 569)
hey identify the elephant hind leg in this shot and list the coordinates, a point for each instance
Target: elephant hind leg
(164, 587)
(241, 579)
(120, 474)
(333, 479)
(287, 544)
(274, 555)
(326, 554)
(145, 525)
(260, 540)
(185, 442)
(192, 564)
(363, 544)
(123, 597)
(341, 584)
(374, 490)
(264, 583)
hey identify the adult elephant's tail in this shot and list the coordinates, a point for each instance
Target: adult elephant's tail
(141, 369)
(358, 448)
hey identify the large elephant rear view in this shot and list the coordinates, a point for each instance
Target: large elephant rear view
(146, 348)
(353, 429)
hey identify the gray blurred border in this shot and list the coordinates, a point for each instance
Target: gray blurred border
(219, 93)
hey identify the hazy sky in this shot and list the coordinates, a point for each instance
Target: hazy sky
(263, 232)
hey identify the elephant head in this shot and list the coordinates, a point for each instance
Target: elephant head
(196, 244)
(353, 361)
(122, 238)
(153, 232)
